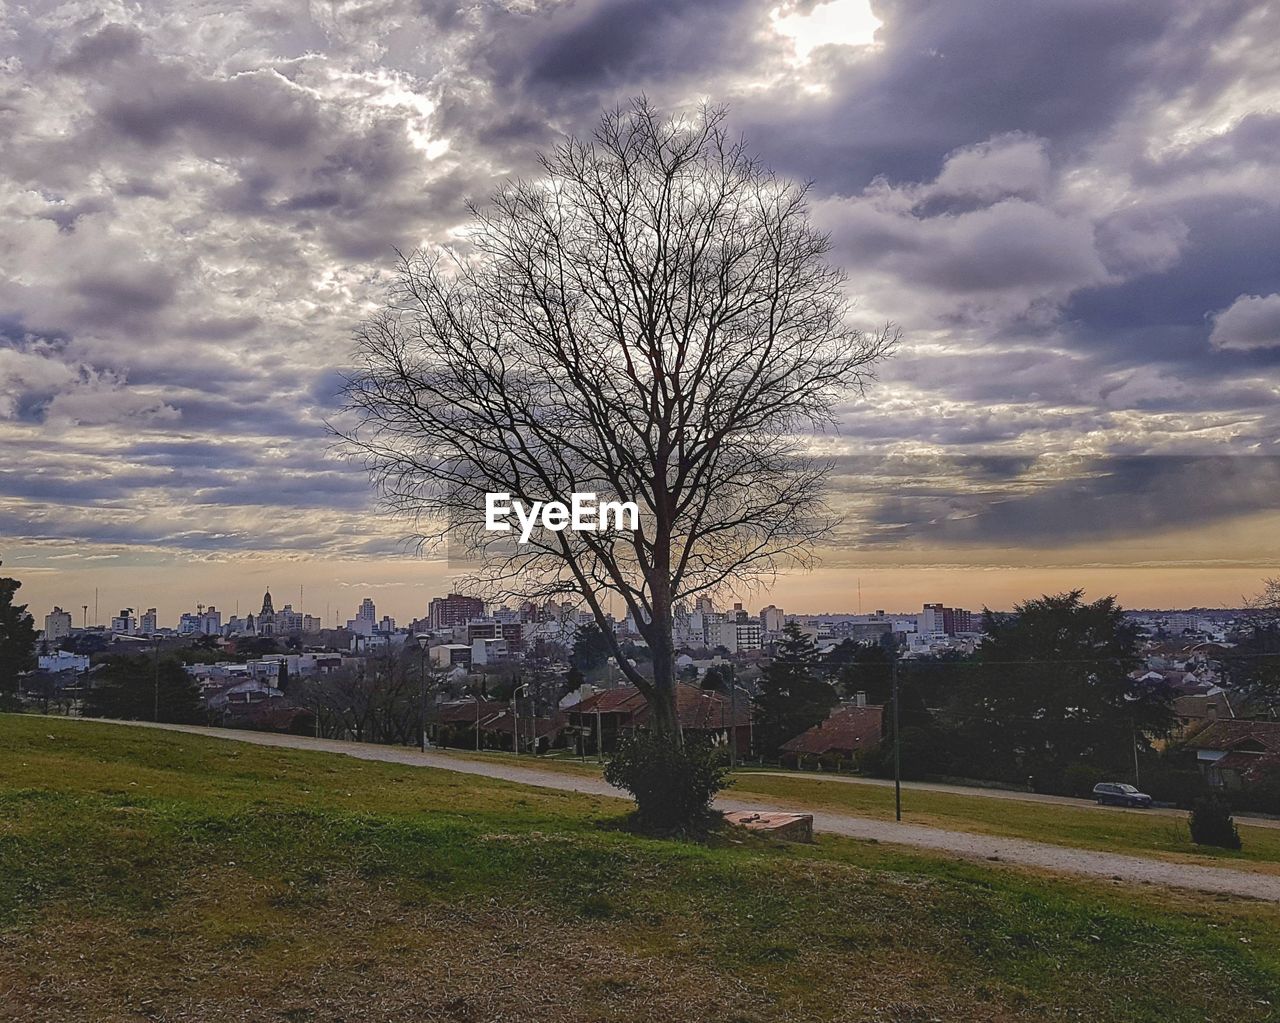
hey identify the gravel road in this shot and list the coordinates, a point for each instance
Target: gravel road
(1020, 852)
(1016, 795)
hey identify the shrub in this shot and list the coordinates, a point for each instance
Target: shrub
(1079, 779)
(672, 785)
(1211, 823)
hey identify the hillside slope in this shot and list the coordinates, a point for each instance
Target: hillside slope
(160, 876)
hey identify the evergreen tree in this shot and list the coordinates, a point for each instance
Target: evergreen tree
(868, 668)
(791, 697)
(590, 648)
(126, 687)
(17, 641)
(1052, 688)
(719, 678)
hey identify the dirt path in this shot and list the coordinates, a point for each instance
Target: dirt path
(1020, 852)
(981, 793)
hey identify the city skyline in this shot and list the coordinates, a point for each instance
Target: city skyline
(1073, 220)
(409, 602)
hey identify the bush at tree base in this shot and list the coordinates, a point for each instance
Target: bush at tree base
(1211, 823)
(672, 785)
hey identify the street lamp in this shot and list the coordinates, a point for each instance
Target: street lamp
(475, 695)
(515, 720)
(423, 640)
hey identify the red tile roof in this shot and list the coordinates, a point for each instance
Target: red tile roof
(506, 723)
(846, 729)
(697, 709)
(1230, 735)
(1199, 706)
(464, 711)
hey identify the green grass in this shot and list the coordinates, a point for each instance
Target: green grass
(1138, 833)
(157, 875)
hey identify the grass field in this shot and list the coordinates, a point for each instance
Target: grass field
(161, 876)
(1084, 827)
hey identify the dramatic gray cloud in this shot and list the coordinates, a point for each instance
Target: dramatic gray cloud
(1251, 321)
(1071, 207)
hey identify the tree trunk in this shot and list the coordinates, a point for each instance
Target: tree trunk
(662, 706)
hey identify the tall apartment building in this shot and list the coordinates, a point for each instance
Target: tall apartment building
(938, 620)
(455, 609)
(773, 619)
(147, 624)
(207, 621)
(511, 632)
(57, 625)
(125, 623)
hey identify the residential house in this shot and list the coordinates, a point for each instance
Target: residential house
(1235, 752)
(847, 731)
(616, 712)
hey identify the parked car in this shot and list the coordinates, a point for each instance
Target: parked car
(1115, 793)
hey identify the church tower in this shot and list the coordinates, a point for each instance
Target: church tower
(267, 617)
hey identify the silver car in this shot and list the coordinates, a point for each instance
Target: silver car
(1116, 793)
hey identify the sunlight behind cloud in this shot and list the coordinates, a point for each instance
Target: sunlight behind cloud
(835, 23)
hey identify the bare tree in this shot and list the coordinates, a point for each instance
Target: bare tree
(1264, 606)
(652, 319)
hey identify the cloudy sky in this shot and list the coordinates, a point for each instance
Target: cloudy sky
(1071, 207)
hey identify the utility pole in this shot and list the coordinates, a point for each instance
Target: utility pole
(515, 721)
(156, 709)
(733, 724)
(1133, 741)
(897, 747)
(422, 690)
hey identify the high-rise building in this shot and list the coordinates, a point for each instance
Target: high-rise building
(205, 621)
(125, 623)
(365, 623)
(147, 625)
(938, 620)
(773, 619)
(455, 609)
(210, 621)
(57, 625)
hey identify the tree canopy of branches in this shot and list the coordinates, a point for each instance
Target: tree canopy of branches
(651, 319)
(1051, 687)
(1253, 664)
(380, 701)
(17, 641)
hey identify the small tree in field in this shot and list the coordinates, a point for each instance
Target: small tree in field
(653, 320)
(1211, 823)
